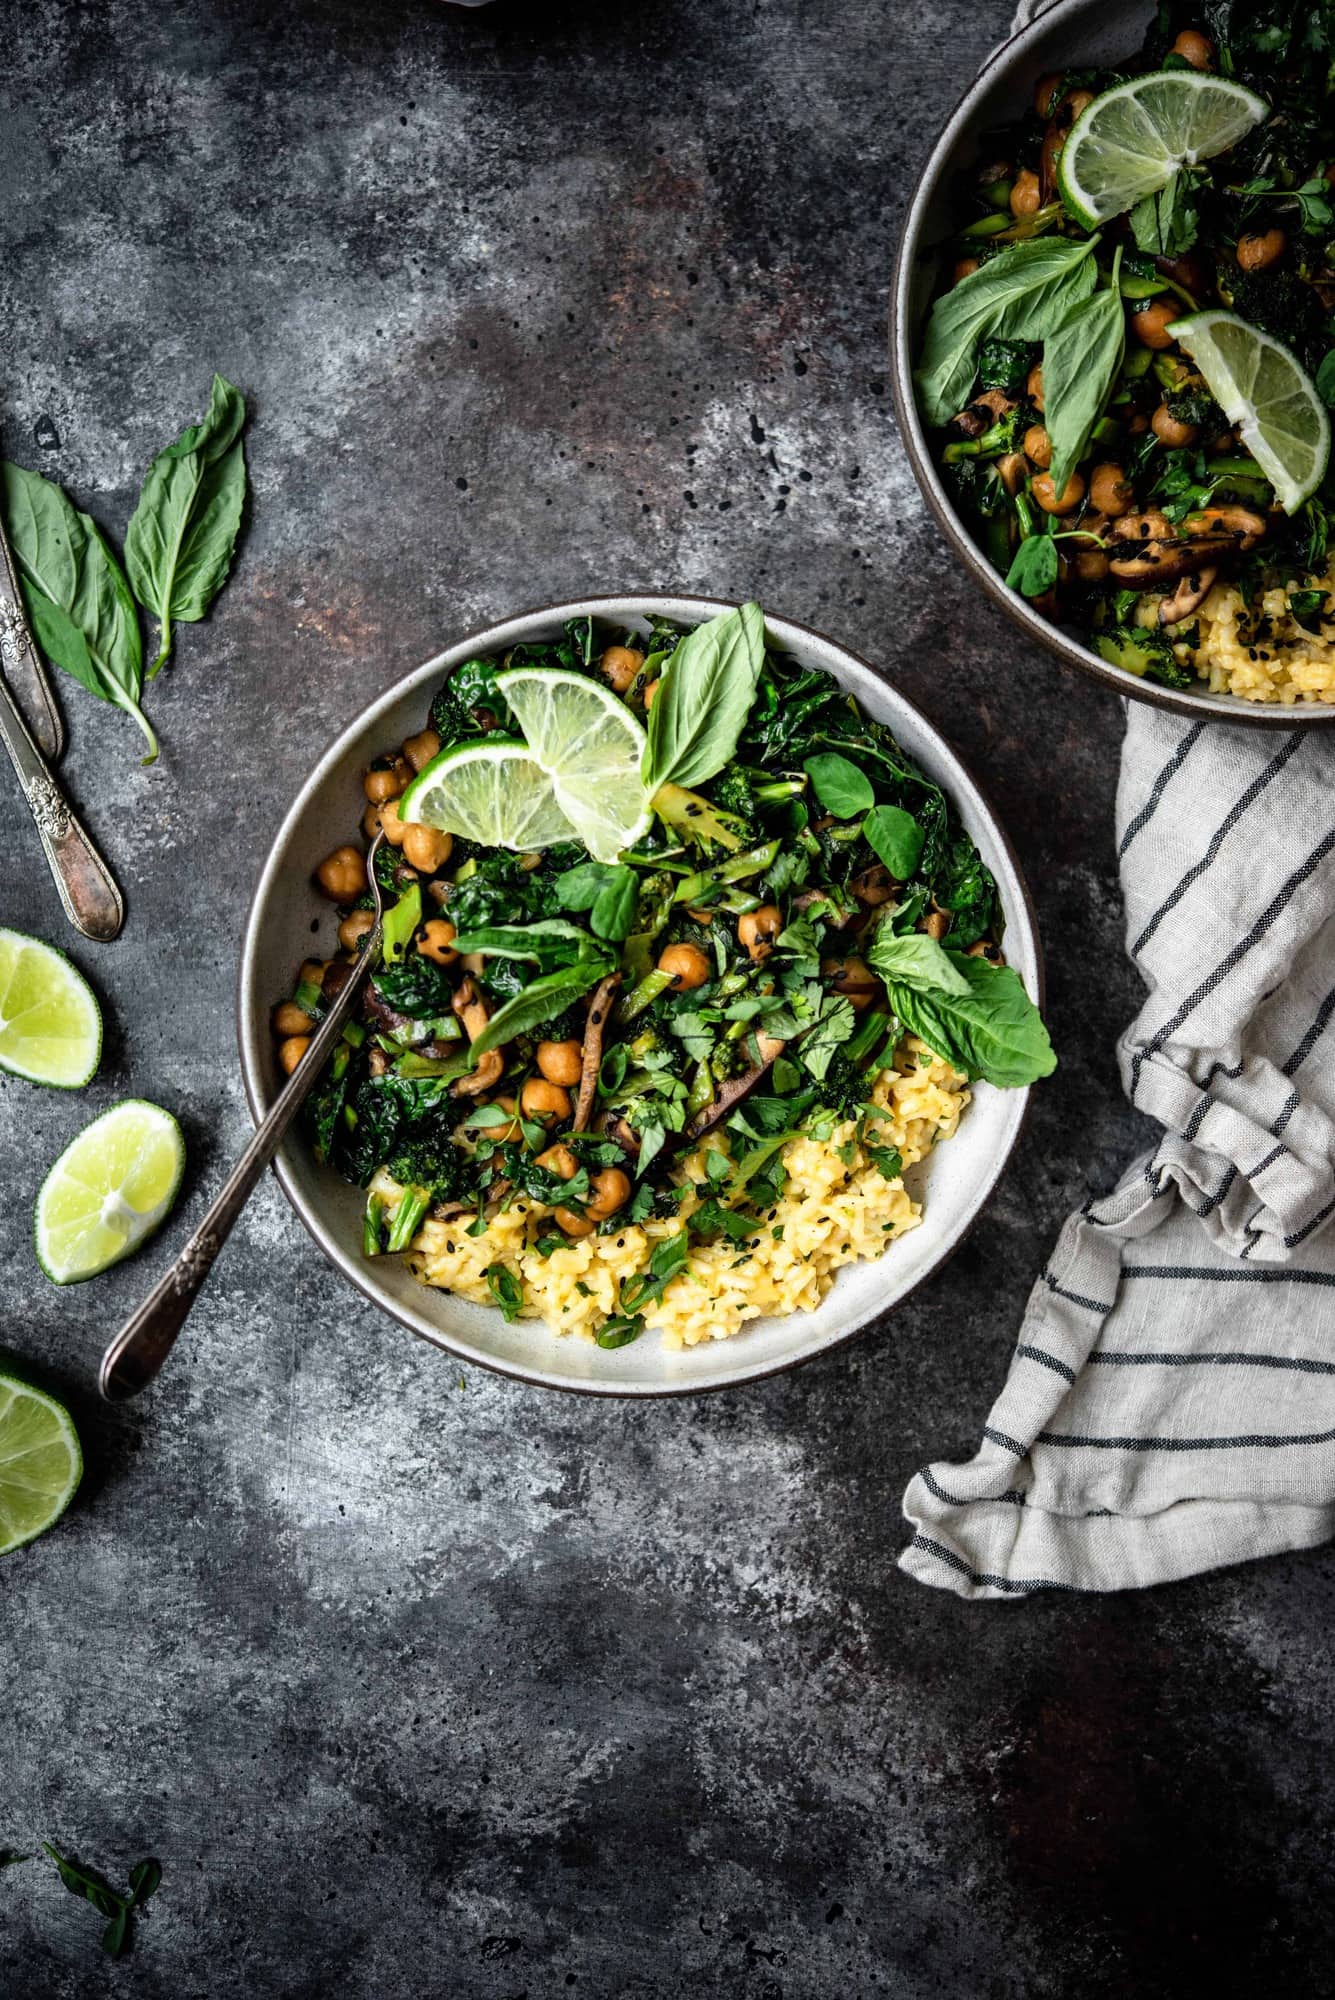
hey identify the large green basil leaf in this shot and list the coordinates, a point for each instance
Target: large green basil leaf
(1081, 359)
(1021, 294)
(914, 959)
(74, 590)
(993, 1031)
(179, 544)
(704, 697)
(541, 1000)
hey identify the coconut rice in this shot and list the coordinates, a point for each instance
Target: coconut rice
(1261, 652)
(837, 1208)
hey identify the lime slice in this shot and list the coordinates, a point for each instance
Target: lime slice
(40, 1462)
(109, 1190)
(1131, 140)
(1260, 387)
(50, 1022)
(493, 793)
(592, 745)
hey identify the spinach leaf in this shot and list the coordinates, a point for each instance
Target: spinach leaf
(916, 959)
(895, 838)
(703, 699)
(610, 893)
(75, 593)
(541, 1000)
(1081, 358)
(840, 786)
(1034, 569)
(178, 546)
(1021, 294)
(993, 1031)
(418, 987)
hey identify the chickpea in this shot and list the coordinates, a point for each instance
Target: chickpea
(426, 848)
(1045, 94)
(1169, 430)
(1150, 325)
(1012, 471)
(1033, 385)
(610, 1191)
(420, 749)
(437, 942)
(1064, 502)
(559, 1160)
(545, 1102)
(1038, 446)
(649, 694)
(289, 1019)
(965, 268)
(572, 1223)
(505, 1135)
(372, 820)
(1077, 101)
(1194, 48)
(342, 874)
(1110, 491)
(391, 825)
(621, 664)
(757, 931)
(561, 1062)
(1026, 197)
(312, 972)
(386, 781)
(685, 965)
(354, 928)
(291, 1051)
(1259, 249)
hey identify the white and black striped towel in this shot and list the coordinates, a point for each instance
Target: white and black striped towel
(1171, 1402)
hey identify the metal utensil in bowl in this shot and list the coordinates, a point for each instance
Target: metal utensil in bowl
(1073, 34)
(148, 1336)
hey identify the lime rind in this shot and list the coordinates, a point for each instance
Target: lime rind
(1133, 138)
(113, 1186)
(593, 747)
(495, 793)
(1261, 387)
(50, 1022)
(41, 1462)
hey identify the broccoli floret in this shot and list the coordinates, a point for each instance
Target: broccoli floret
(731, 793)
(843, 1086)
(426, 1157)
(1000, 438)
(1004, 364)
(1143, 652)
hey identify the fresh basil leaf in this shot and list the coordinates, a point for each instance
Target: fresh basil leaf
(179, 544)
(1020, 294)
(1081, 359)
(704, 697)
(1034, 568)
(995, 1031)
(915, 959)
(895, 838)
(541, 1000)
(63, 557)
(840, 786)
(400, 923)
(614, 907)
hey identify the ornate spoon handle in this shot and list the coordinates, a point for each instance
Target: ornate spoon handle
(22, 663)
(87, 889)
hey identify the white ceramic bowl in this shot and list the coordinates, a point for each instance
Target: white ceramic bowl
(954, 1182)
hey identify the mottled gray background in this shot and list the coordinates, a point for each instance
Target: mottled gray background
(418, 1682)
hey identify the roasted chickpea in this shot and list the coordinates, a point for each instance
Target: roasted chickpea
(650, 691)
(1170, 430)
(1194, 48)
(561, 1062)
(1012, 471)
(1026, 196)
(757, 931)
(372, 820)
(505, 1135)
(1259, 249)
(437, 942)
(289, 1019)
(1053, 502)
(559, 1160)
(425, 848)
(1110, 491)
(1150, 325)
(610, 1190)
(1033, 385)
(386, 781)
(545, 1102)
(1038, 447)
(965, 268)
(573, 1223)
(390, 824)
(420, 749)
(685, 965)
(342, 874)
(312, 972)
(621, 664)
(291, 1051)
(354, 928)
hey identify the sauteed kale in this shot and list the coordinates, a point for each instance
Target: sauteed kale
(560, 1029)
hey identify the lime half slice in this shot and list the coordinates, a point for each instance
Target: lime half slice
(1132, 139)
(40, 1462)
(1261, 388)
(494, 793)
(50, 1022)
(592, 745)
(109, 1190)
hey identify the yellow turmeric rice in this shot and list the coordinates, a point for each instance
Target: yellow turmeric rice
(837, 1207)
(1261, 652)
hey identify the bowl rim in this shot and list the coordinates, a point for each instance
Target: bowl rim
(338, 1256)
(913, 244)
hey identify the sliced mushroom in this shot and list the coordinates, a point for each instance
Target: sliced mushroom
(874, 886)
(1236, 524)
(474, 1013)
(980, 415)
(1191, 593)
(594, 1026)
(732, 1092)
(1150, 563)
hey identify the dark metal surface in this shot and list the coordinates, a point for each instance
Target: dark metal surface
(420, 1682)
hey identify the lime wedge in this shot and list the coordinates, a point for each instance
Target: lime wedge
(1132, 139)
(40, 1462)
(109, 1190)
(50, 1022)
(592, 745)
(493, 793)
(1261, 388)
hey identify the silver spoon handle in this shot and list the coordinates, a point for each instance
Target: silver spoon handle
(22, 663)
(86, 885)
(146, 1339)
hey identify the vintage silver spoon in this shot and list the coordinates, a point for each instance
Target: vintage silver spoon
(146, 1339)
